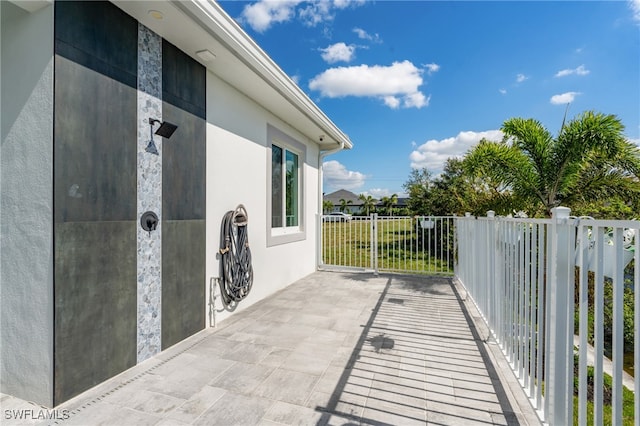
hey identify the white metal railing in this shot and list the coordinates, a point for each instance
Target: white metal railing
(526, 278)
(419, 244)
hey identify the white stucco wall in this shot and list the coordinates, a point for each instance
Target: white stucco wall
(237, 173)
(26, 204)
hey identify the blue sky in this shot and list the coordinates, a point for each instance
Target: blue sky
(415, 82)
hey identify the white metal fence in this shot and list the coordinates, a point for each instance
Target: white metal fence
(526, 277)
(420, 244)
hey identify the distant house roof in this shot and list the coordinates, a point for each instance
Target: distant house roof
(402, 202)
(342, 194)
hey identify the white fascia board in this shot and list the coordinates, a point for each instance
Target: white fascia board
(209, 13)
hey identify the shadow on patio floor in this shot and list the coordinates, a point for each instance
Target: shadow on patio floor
(419, 359)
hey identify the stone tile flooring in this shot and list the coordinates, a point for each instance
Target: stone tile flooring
(334, 348)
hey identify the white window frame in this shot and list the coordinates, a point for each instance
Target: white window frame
(285, 234)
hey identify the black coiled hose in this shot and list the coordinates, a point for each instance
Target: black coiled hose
(237, 273)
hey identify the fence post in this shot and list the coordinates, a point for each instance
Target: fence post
(470, 259)
(457, 246)
(492, 280)
(374, 242)
(558, 387)
(319, 245)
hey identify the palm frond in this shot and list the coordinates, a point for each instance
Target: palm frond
(507, 166)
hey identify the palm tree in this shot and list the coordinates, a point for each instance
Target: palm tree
(589, 159)
(368, 203)
(389, 202)
(344, 205)
(327, 206)
(394, 200)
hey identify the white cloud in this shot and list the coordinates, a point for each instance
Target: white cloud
(394, 84)
(635, 8)
(392, 102)
(521, 77)
(432, 67)
(416, 100)
(433, 154)
(343, 4)
(362, 34)
(634, 141)
(581, 70)
(336, 175)
(338, 52)
(564, 98)
(316, 12)
(261, 15)
(503, 91)
(264, 13)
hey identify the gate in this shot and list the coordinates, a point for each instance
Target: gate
(417, 245)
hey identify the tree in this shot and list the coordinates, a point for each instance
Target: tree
(368, 203)
(589, 159)
(418, 187)
(344, 205)
(455, 192)
(327, 206)
(389, 202)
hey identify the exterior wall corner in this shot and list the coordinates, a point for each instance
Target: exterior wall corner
(26, 204)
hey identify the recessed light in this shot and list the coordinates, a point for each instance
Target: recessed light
(205, 55)
(156, 14)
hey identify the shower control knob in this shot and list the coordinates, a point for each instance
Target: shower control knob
(149, 221)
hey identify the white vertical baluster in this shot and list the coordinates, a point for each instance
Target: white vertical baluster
(618, 328)
(583, 232)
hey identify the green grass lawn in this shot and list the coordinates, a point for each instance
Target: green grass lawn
(401, 246)
(627, 411)
(627, 401)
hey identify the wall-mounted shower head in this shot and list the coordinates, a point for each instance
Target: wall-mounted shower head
(165, 130)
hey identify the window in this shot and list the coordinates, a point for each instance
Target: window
(284, 192)
(276, 186)
(285, 188)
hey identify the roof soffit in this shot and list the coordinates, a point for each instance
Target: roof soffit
(195, 25)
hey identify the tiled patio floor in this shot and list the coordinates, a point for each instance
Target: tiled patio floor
(333, 348)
